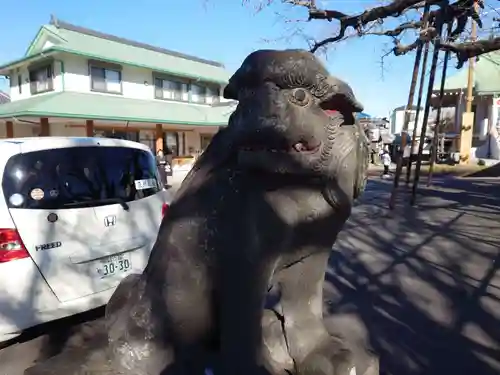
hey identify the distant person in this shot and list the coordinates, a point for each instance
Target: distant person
(380, 153)
(386, 161)
(169, 157)
(161, 162)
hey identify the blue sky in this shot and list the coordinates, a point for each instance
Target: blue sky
(222, 30)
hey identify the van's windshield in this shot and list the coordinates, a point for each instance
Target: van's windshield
(79, 177)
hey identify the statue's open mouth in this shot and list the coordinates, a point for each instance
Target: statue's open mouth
(302, 147)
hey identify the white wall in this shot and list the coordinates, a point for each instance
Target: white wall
(483, 105)
(486, 114)
(25, 130)
(460, 109)
(24, 93)
(66, 130)
(495, 116)
(398, 120)
(20, 130)
(77, 78)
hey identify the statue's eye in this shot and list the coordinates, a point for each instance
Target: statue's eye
(300, 97)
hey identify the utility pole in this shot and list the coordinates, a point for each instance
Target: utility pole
(468, 117)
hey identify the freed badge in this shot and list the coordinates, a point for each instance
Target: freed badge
(48, 246)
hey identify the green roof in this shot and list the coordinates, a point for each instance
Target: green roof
(486, 76)
(95, 45)
(107, 107)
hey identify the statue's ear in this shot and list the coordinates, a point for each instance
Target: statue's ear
(339, 103)
(340, 97)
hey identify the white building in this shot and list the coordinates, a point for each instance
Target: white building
(398, 119)
(74, 81)
(485, 104)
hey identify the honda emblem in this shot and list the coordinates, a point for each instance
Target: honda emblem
(110, 221)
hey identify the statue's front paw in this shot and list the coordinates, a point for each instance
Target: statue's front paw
(328, 359)
(332, 357)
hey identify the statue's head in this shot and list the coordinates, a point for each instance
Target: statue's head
(284, 122)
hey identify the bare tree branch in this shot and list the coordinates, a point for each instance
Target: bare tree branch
(370, 22)
(464, 51)
(398, 30)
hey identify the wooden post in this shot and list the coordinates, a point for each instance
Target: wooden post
(417, 114)
(159, 137)
(44, 127)
(468, 117)
(89, 128)
(432, 74)
(9, 129)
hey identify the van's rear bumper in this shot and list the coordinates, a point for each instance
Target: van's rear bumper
(26, 300)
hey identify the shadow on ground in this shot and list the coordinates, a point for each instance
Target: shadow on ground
(421, 285)
(418, 285)
(492, 171)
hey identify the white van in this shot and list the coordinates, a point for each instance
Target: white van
(76, 216)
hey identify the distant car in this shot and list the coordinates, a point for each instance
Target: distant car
(76, 216)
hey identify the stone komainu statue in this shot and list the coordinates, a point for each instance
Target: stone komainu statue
(235, 279)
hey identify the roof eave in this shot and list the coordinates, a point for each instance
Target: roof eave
(36, 113)
(487, 92)
(82, 30)
(5, 68)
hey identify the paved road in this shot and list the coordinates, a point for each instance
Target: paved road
(418, 285)
(421, 285)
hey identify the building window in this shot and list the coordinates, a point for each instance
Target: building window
(20, 83)
(104, 79)
(213, 95)
(198, 94)
(147, 138)
(130, 136)
(41, 79)
(171, 90)
(172, 143)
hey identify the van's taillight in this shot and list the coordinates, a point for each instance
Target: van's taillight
(11, 246)
(164, 209)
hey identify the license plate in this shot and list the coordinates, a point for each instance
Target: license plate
(113, 265)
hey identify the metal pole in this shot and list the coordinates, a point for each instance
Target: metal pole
(438, 114)
(432, 74)
(417, 115)
(409, 105)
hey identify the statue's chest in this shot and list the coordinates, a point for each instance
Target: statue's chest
(299, 206)
(259, 198)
